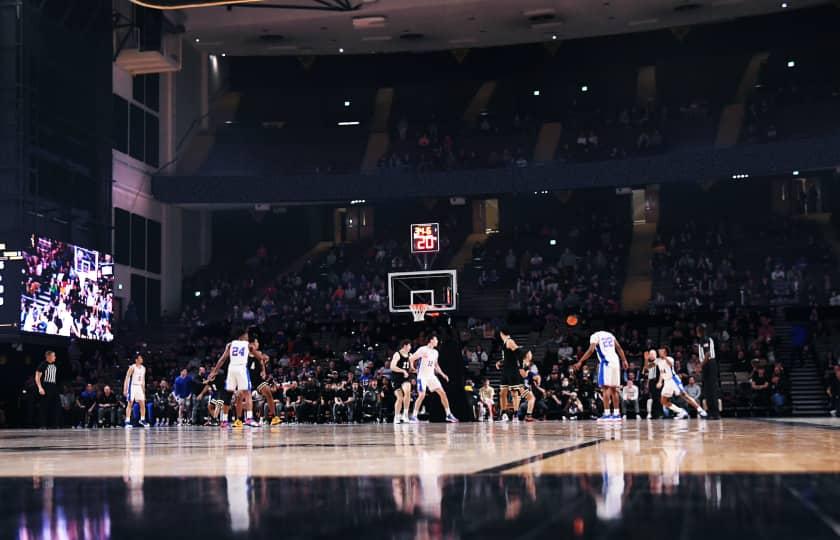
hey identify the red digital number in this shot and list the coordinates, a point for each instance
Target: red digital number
(424, 238)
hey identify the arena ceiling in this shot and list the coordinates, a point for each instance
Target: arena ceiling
(277, 27)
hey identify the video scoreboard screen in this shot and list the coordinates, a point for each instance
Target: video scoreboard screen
(68, 290)
(425, 238)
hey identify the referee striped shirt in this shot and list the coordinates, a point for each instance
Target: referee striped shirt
(48, 372)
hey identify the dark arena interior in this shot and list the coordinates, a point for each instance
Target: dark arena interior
(431, 269)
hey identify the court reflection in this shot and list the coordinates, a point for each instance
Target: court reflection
(611, 505)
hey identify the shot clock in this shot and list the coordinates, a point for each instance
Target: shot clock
(425, 238)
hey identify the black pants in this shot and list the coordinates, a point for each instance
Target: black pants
(655, 395)
(711, 395)
(50, 405)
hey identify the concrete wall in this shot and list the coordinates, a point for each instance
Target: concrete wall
(181, 97)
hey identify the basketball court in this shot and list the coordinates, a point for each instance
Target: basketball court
(687, 479)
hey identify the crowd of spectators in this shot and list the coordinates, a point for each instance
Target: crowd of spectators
(699, 267)
(435, 146)
(552, 270)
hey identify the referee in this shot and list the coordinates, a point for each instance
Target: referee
(46, 381)
(710, 372)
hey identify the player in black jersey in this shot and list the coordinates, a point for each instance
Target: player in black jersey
(525, 358)
(400, 378)
(219, 404)
(512, 387)
(257, 368)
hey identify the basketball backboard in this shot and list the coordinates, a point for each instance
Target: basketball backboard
(437, 288)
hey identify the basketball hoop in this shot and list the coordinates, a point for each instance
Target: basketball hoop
(419, 311)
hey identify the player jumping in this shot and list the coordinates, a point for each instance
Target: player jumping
(672, 385)
(134, 390)
(609, 370)
(427, 378)
(238, 382)
(400, 366)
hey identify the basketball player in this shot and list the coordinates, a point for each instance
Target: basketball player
(672, 385)
(219, 404)
(400, 367)
(427, 378)
(511, 386)
(609, 370)
(526, 373)
(238, 382)
(257, 363)
(134, 390)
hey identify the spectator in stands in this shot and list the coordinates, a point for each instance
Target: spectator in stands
(630, 399)
(68, 400)
(574, 409)
(760, 385)
(309, 405)
(692, 389)
(778, 394)
(85, 407)
(343, 403)
(182, 389)
(107, 407)
(165, 406)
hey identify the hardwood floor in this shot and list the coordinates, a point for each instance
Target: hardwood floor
(691, 479)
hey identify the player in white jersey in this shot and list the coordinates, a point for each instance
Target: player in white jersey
(238, 379)
(672, 386)
(609, 370)
(427, 371)
(134, 390)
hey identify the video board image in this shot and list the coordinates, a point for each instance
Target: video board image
(68, 291)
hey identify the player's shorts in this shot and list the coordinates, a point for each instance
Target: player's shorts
(398, 380)
(518, 388)
(510, 380)
(238, 379)
(257, 381)
(428, 384)
(136, 392)
(609, 374)
(672, 387)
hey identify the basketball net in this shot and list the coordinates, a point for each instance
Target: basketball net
(419, 311)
